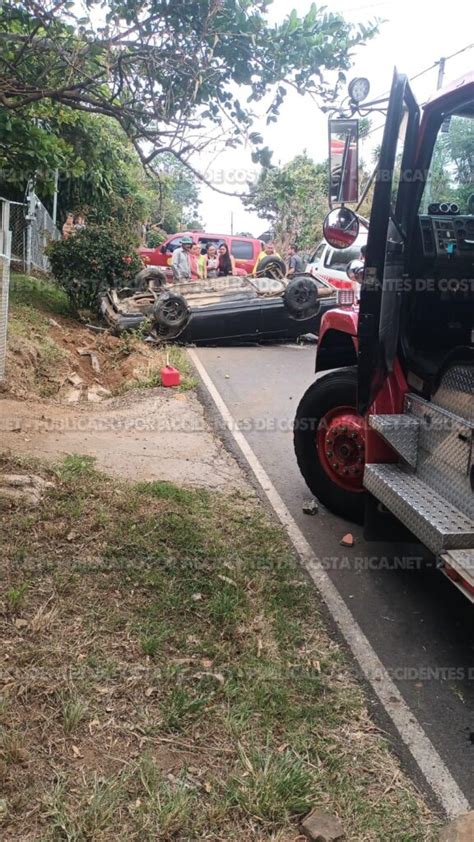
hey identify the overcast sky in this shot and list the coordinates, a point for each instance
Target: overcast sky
(416, 33)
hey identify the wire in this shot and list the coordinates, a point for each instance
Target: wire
(417, 76)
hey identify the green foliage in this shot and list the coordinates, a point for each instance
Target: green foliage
(294, 199)
(166, 71)
(452, 168)
(98, 257)
(155, 238)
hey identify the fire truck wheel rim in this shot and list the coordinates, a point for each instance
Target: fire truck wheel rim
(340, 440)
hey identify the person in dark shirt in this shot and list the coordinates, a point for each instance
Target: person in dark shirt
(294, 263)
(226, 261)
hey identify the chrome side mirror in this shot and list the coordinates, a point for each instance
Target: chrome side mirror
(341, 228)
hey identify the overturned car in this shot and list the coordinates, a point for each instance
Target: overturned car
(234, 309)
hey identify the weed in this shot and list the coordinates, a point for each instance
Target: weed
(73, 712)
(181, 707)
(75, 467)
(15, 597)
(12, 747)
(271, 787)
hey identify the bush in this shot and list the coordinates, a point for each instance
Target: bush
(155, 238)
(94, 259)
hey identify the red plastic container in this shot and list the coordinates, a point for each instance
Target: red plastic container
(170, 376)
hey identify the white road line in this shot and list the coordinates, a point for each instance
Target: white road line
(422, 749)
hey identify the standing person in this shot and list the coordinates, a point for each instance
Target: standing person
(268, 251)
(226, 262)
(294, 262)
(181, 262)
(68, 227)
(211, 262)
(196, 263)
(79, 223)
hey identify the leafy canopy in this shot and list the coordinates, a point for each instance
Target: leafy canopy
(294, 199)
(177, 76)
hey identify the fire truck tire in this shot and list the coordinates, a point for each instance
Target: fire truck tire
(338, 388)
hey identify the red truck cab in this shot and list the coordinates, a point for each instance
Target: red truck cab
(245, 250)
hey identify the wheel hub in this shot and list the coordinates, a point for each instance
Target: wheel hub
(341, 446)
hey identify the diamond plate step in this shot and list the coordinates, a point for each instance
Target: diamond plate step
(401, 432)
(458, 566)
(434, 521)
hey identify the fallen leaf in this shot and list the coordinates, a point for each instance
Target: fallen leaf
(21, 624)
(76, 751)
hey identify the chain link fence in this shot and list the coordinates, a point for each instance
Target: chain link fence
(32, 228)
(40, 231)
(26, 228)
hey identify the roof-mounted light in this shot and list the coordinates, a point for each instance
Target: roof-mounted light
(359, 89)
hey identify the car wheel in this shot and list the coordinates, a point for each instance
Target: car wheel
(152, 276)
(171, 311)
(301, 297)
(329, 440)
(271, 267)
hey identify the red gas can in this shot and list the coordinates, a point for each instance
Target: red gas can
(170, 376)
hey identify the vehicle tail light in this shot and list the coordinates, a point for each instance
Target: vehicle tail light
(345, 297)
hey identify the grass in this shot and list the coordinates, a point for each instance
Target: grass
(129, 363)
(174, 680)
(38, 296)
(149, 376)
(74, 711)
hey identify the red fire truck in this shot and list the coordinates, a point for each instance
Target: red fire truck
(385, 434)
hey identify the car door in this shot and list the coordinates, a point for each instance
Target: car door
(243, 253)
(379, 313)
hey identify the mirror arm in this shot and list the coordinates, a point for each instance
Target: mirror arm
(367, 188)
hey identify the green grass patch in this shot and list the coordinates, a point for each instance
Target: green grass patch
(37, 294)
(173, 652)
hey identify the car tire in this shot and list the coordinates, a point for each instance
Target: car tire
(325, 395)
(301, 297)
(142, 279)
(171, 311)
(271, 267)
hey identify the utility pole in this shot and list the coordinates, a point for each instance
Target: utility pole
(232, 223)
(441, 69)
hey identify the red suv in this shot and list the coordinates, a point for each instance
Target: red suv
(245, 250)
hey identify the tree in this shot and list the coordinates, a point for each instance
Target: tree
(294, 199)
(99, 169)
(452, 168)
(170, 72)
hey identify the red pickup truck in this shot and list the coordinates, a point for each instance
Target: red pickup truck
(245, 250)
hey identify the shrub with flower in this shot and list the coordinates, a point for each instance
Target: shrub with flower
(94, 259)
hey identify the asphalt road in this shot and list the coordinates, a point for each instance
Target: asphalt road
(420, 626)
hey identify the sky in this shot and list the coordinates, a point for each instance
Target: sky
(415, 35)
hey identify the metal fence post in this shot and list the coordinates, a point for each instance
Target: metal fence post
(5, 254)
